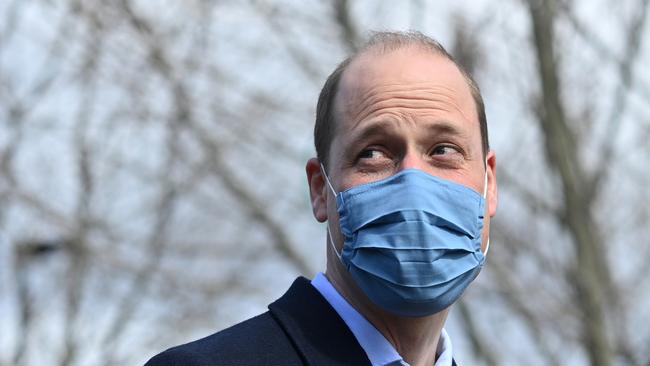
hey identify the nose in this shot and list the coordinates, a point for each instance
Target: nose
(411, 160)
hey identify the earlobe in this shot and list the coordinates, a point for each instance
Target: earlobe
(317, 191)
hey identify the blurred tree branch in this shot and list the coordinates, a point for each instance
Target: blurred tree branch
(592, 276)
(77, 250)
(301, 59)
(600, 47)
(481, 350)
(614, 125)
(165, 154)
(350, 36)
(185, 120)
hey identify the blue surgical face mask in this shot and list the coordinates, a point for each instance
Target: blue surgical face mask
(412, 242)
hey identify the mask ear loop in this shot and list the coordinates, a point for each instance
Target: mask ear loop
(329, 233)
(485, 185)
(322, 168)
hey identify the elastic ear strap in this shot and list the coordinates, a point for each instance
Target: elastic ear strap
(327, 179)
(487, 246)
(329, 233)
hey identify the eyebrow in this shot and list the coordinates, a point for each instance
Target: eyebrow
(373, 128)
(446, 127)
(384, 127)
(439, 126)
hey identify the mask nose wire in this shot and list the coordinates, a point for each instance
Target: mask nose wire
(329, 232)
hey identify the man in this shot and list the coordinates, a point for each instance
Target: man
(406, 183)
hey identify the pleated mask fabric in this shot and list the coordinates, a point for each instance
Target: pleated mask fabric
(412, 241)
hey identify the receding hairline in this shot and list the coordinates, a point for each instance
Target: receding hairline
(368, 56)
(382, 43)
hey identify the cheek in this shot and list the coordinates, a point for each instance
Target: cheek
(356, 177)
(332, 212)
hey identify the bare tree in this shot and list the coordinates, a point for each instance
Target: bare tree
(151, 167)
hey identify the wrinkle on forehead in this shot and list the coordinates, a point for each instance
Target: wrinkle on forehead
(409, 79)
(418, 98)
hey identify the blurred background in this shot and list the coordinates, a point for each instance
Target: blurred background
(152, 186)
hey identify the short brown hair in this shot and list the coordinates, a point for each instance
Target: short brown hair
(384, 42)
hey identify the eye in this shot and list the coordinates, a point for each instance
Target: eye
(444, 150)
(371, 154)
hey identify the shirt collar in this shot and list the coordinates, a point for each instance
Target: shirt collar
(379, 351)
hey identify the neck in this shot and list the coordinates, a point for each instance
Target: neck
(415, 339)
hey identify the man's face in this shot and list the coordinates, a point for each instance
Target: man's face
(408, 109)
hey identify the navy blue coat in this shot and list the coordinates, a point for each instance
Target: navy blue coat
(300, 328)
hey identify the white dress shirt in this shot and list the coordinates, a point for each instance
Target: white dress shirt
(379, 350)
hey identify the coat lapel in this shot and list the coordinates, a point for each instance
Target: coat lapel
(316, 330)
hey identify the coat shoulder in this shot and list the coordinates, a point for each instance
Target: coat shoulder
(256, 341)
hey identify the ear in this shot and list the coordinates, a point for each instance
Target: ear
(492, 192)
(317, 189)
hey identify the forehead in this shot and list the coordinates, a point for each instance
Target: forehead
(410, 73)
